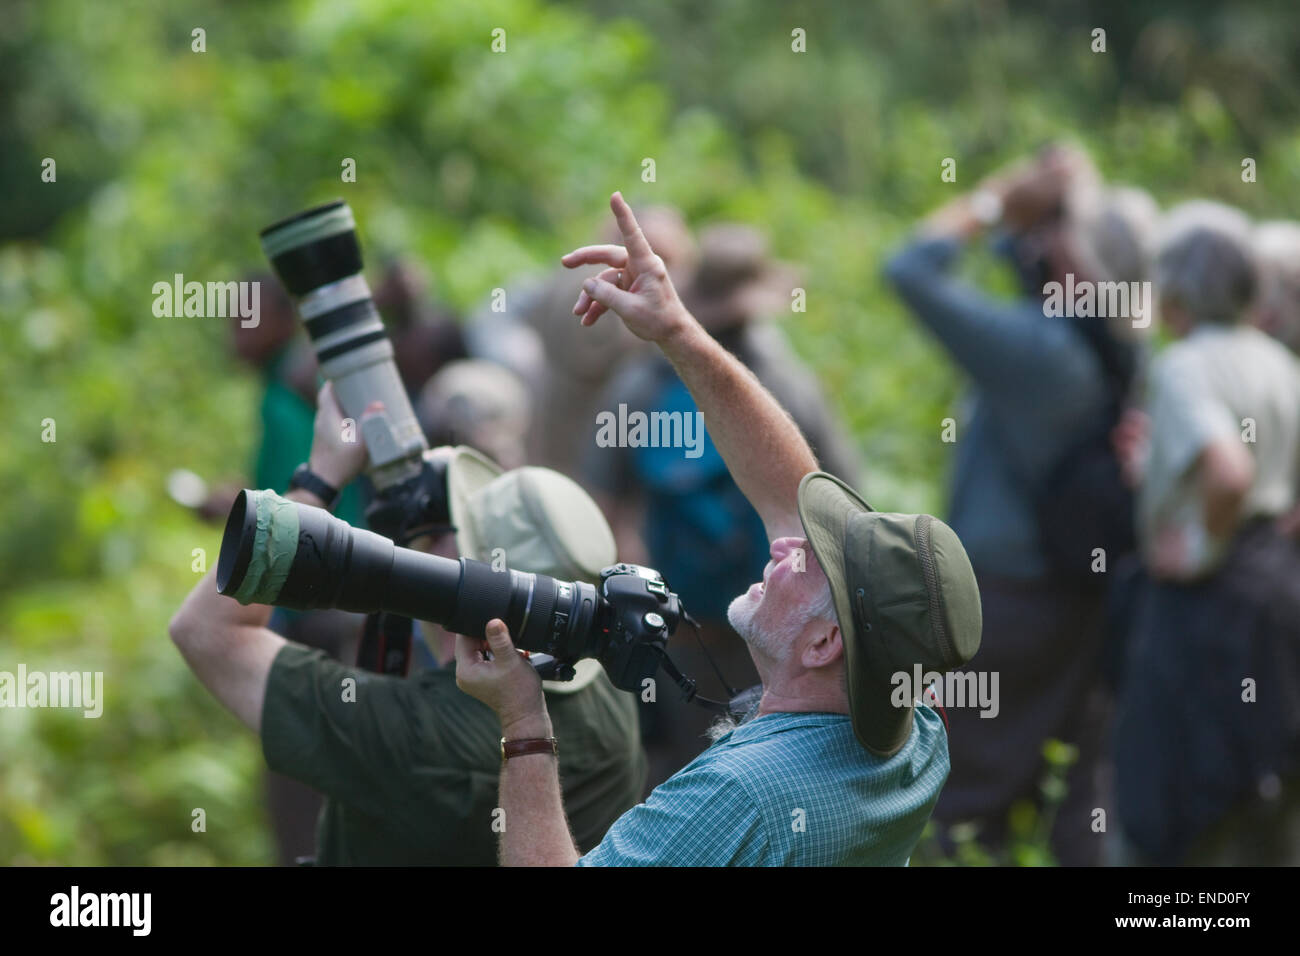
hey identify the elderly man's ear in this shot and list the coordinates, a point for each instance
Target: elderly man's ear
(825, 649)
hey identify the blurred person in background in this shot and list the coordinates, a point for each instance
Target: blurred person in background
(685, 516)
(566, 367)
(1277, 305)
(410, 765)
(425, 336)
(1207, 735)
(1036, 485)
(480, 404)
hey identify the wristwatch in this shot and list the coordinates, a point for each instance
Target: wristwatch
(308, 480)
(529, 745)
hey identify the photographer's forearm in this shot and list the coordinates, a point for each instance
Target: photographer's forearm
(764, 450)
(229, 655)
(536, 830)
(228, 645)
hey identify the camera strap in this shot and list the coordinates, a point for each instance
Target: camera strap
(688, 686)
(386, 644)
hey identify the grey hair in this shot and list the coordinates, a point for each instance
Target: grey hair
(1208, 273)
(721, 726)
(1277, 257)
(1277, 246)
(822, 607)
(1116, 235)
(1187, 217)
(1113, 239)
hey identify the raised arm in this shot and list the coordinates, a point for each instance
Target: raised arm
(227, 645)
(762, 446)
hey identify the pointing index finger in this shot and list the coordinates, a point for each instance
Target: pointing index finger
(638, 247)
(609, 255)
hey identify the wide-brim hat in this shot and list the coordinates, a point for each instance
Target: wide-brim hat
(904, 594)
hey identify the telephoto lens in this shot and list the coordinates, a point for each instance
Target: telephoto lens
(276, 551)
(317, 257)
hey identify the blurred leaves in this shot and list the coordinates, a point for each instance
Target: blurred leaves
(1027, 840)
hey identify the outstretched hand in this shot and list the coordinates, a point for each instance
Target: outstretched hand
(635, 283)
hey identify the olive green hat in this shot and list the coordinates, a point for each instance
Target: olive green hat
(904, 593)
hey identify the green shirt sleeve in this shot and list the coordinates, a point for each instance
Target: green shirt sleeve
(406, 750)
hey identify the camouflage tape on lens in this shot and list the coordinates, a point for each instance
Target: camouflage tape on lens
(274, 547)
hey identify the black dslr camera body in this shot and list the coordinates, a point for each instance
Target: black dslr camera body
(642, 614)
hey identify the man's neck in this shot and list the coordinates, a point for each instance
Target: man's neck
(826, 704)
(802, 693)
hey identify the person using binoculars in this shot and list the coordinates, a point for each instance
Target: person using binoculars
(834, 768)
(409, 765)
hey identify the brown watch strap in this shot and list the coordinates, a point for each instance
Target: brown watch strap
(529, 745)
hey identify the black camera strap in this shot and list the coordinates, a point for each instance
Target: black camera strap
(689, 685)
(386, 644)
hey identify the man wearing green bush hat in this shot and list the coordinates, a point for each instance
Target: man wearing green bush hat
(409, 766)
(830, 771)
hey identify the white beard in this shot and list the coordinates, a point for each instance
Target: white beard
(740, 615)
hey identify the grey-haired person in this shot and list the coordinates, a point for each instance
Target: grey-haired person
(409, 765)
(833, 768)
(1207, 734)
(1276, 246)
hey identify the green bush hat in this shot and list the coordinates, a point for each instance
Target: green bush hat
(542, 521)
(904, 593)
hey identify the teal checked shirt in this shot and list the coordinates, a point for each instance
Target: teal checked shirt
(787, 789)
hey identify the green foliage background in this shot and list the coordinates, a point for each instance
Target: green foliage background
(484, 166)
